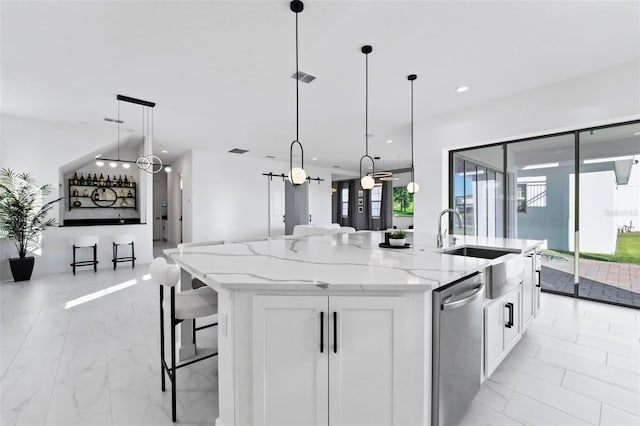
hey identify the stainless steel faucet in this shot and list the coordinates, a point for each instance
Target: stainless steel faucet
(441, 235)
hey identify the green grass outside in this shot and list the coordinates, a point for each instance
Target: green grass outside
(627, 250)
(407, 212)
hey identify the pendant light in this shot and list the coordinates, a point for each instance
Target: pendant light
(366, 181)
(297, 175)
(413, 186)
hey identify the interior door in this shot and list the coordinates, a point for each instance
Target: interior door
(296, 199)
(290, 367)
(276, 207)
(365, 335)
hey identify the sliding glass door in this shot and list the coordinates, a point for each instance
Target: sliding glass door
(609, 182)
(540, 181)
(579, 191)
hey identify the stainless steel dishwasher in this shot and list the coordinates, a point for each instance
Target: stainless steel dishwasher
(457, 348)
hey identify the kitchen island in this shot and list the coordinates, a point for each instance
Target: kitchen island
(328, 330)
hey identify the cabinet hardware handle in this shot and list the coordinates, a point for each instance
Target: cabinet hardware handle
(509, 323)
(335, 332)
(321, 332)
(539, 278)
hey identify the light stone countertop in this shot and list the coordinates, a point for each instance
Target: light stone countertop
(337, 262)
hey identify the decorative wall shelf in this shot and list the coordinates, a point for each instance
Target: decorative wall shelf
(101, 195)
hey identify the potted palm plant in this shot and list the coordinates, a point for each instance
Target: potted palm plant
(23, 217)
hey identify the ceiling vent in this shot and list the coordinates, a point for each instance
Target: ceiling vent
(303, 77)
(238, 151)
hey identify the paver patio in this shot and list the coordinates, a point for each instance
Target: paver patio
(609, 281)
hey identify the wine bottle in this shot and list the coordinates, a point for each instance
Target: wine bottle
(129, 194)
(131, 184)
(81, 179)
(108, 181)
(119, 180)
(126, 181)
(75, 178)
(101, 181)
(95, 180)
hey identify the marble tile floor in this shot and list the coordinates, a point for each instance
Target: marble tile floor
(97, 362)
(577, 364)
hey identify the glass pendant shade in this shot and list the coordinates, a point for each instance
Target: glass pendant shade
(367, 182)
(413, 187)
(297, 176)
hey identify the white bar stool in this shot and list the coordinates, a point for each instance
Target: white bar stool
(183, 305)
(124, 239)
(85, 241)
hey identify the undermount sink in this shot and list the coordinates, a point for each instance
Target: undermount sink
(476, 252)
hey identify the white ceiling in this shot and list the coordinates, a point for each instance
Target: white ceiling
(220, 71)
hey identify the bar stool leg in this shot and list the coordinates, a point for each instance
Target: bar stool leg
(74, 260)
(162, 370)
(133, 256)
(114, 253)
(173, 354)
(95, 258)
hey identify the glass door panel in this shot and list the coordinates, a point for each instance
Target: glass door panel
(540, 203)
(609, 218)
(477, 191)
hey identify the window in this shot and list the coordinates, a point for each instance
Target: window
(522, 198)
(376, 202)
(344, 199)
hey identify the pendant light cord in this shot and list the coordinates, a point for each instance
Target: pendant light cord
(366, 103)
(412, 172)
(118, 130)
(297, 85)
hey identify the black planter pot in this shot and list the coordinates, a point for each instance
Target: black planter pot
(21, 268)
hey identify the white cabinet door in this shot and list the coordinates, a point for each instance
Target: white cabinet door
(502, 328)
(290, 373)
(528, 289)
(369, 339)
(493, 334)
(512, 316)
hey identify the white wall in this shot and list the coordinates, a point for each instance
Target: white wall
(229, 195)
(42, 147)
(603, 97)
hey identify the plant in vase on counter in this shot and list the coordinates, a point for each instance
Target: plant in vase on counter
(398, 238)
(23, 217)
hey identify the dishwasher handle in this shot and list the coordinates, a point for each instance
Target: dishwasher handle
(446, 305)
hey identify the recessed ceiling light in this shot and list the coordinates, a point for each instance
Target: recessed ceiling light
(125, 165)
(113, 164)
(389, 141)
(636, 134)
(164, 151)
(462, 89)
(99, 163)
(315, 158)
